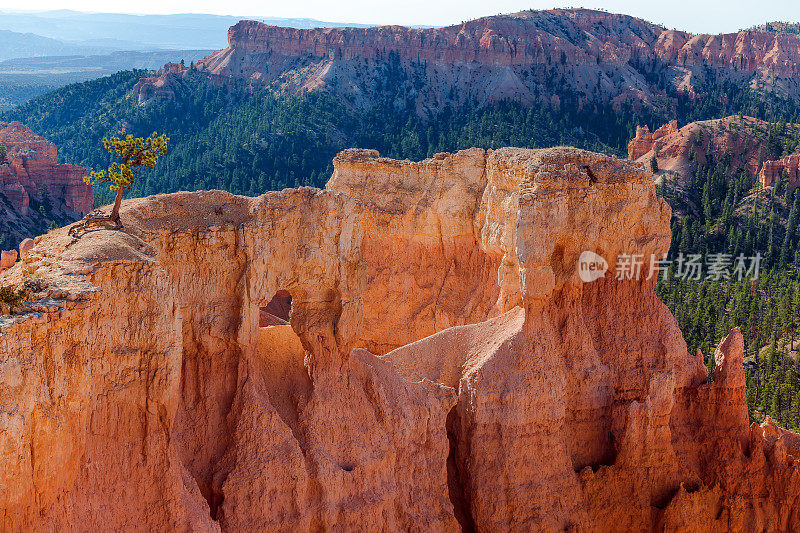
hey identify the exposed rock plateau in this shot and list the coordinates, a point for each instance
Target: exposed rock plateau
(31, 174)
(530, 56)
(138, 389)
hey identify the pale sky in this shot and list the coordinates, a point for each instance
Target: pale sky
(698, 16)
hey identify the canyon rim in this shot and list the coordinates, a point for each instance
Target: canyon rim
(409, 349)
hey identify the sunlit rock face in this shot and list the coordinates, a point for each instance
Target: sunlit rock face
(773, 171)
(411, 348)
(740, 140)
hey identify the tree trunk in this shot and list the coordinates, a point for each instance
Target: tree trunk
(117, 204)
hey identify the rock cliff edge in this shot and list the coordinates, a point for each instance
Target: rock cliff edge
(410, 349)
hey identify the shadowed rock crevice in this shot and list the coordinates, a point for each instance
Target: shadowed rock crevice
(215, 501)
(605, 455)
(277, 311)
(456, 474)
(208, 393)
(211, 362)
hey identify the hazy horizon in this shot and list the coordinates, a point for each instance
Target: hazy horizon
(686, 15)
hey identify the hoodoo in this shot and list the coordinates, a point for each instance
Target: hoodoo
(411, 347)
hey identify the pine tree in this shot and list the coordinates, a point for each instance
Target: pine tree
(135, 153)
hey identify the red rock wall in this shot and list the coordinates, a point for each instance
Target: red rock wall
(772, 171)
(503, 40)
(529, 38)
(680, 150)
(33, 165)
(646, 141)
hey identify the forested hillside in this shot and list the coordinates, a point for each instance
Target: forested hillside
(245, 141)
(250, 141)
(725, 211)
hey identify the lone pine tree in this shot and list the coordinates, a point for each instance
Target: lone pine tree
(134, 153)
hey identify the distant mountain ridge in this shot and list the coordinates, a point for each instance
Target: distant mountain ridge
(137, 32)
(41, 51)
(25, 78)
(15, 45)
(104, 64)
(534, 57)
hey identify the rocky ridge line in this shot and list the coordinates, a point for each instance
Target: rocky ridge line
(535, 57)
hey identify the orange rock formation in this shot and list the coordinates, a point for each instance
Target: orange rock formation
(7, 259)
(645, 141)
(772, 171)
(31, 179)
(140, 390)
(160, 87)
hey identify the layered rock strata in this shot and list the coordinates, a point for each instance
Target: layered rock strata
(7, 259)
(35, 190)
(31, 169)
(153, 379)
(530, 56)
(645, 141)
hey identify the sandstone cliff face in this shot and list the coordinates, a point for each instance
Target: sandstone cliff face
(743, 142)
(32, 172)
(422, 217)
(772, 171)
(140, 390)
(528, 56)
(645, 141)
(160, 87)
